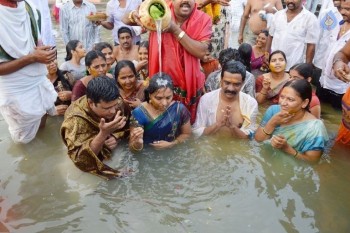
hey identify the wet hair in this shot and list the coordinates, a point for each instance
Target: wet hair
(124, 30)
(278, 52)
(303, 88)
(102, 45)
(266, 32)
(234, 67)
(226, 55)
(102, 89)
(306, 70)
(121, 64)
(92, 55)
(144, 44)
(245, 53)
(158, 81)
(71, 45)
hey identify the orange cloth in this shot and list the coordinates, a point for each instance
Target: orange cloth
(183, 67)
(344, 131)
(209, 67)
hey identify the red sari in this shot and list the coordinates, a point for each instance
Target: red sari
(180, 65)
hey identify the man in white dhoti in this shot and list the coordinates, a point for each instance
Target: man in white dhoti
(227, 111)
(26, 95)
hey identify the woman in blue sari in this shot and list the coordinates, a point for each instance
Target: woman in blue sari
(290, 126)
(160, 121)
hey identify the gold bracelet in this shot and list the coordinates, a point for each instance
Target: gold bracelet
(268, 134)
(135, 149)
(181, 35)
(130, 16)
(296, 153)
(262, 93)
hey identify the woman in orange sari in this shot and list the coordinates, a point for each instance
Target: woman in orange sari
(344, 131)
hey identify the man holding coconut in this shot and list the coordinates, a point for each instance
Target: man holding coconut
(185, 41)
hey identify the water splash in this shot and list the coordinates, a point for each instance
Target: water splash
(159, 39)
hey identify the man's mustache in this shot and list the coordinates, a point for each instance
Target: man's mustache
(231, 92)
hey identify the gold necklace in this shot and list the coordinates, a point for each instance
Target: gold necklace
(343, 29)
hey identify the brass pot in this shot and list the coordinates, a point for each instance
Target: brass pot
(147, 20)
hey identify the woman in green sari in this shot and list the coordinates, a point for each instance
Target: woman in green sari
(290, 127)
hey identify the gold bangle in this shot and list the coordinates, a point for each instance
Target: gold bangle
(130, 16)
(135, 149)
(268, 134)
(296, 153)
(262, 93)
(181, 35)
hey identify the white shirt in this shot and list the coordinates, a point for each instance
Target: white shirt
(115, 15)
(46, 25)
(292, 37)
(327, 79)
(207, 108)
(75, 26)
(327, 37)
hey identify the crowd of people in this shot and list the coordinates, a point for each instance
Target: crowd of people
(200, 86)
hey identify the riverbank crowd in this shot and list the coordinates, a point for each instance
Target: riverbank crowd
(205, 72)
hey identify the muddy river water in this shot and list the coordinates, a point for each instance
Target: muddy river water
(209, 185)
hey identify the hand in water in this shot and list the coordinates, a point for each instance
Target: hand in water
(125, 172)
(161, 145)
(278, 141)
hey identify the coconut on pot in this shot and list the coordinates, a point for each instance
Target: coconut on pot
(151, 10)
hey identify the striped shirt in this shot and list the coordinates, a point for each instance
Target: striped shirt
(75, 26)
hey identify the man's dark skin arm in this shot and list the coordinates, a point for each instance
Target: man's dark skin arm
(42, 54)
(105, 24)
(340, 63)
(310, 52)
(244, 20)
(196, 48)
